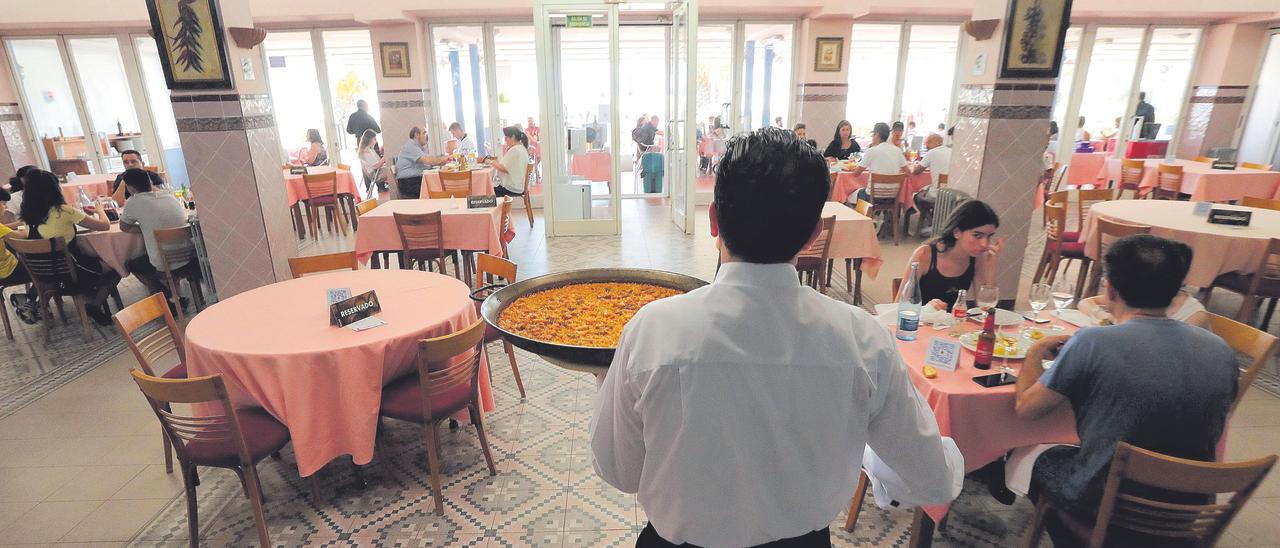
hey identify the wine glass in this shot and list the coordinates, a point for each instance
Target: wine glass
(1007, 340)
(1063, 293)
(1039, 299)
(988, 296)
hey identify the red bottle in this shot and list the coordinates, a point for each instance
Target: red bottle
(986, 342)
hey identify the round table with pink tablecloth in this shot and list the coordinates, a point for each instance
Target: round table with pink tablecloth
(1219, 249)
(845, 183)
(275, 348)
(481, 181)
(114, 247)
(593, 166)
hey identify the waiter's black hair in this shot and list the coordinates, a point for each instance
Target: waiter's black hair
(1147, 271)
(138, 180)
(769, 193)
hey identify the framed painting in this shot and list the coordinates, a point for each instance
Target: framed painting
(395, 59)
(192, 46)
(828, 54)
(1034, 34)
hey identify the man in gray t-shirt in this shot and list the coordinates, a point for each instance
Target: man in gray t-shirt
(1150, 381)
(146, 211)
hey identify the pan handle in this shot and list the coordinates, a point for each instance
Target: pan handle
(483, 292)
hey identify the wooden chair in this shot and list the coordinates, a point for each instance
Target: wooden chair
(322, 193)
(1260, 203)
(1130, 176)
(1123, 510)
(1056, 246)
(1263, 283)
(1168, 182)
(53, 274)
(4, 308)
(528, 206)
(367, 206)
(1244, 339)
(505, 204)
(1204, 159)
(1108, 232)
(236, 439)
(1086, 199)
(490, 269)
(343, 167)
(151, 348)
(457, 183)
(884, 190)
(1251, 165)
(301, 266)
(447, 381)
(443, 194)
(859, 494)
(176, 247)
(1058, 178)
(422, 238)
(812, 261)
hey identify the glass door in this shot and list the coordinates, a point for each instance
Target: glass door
(681, 138)
(166, 126)
(295, 93)
(54, 114)
(643, 102)
(1261, 140)
(348, 60)
(108, 101)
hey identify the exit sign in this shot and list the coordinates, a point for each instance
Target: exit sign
(578, 21)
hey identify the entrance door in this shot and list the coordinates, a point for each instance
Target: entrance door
(1261, 139)
(681, 153)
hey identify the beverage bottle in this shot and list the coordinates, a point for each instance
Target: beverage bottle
(909, 302)
(83, 201)
(986, 343)
(959, 313)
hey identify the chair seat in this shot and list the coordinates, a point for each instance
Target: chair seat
(1069, 249)
(1070, 236)
(178, 372)
(1238, 282)
(809, 263)
(320, 201)
(402, 400)
(263, 435)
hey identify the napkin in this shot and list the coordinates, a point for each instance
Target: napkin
(889, 489)
(887, 314)
(1077, 318)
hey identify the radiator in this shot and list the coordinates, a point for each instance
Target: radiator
(202, 255)
(946, 201)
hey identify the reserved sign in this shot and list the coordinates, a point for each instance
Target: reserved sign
(349, 311)
(1232, 217)
(297, 170)
(1219, 164)
(478, 202)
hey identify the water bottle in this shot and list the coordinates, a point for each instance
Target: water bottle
(83, 201)
(909, 303)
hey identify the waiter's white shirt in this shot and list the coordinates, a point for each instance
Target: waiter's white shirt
(739, 411)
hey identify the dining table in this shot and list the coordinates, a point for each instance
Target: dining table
(1085, 167)
(481, 181)
(844, 184)
(1217, 249)
(467, 229)
(94, 185)
(275, 349)
(114, 247)
(1201, 181)
(854, 239)
(296, 191)
(596, 165)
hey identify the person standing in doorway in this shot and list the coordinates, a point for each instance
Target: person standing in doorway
(1148, 114)
(361, 121)
(651, 163)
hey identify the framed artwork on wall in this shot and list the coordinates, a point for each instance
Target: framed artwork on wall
(828, 54)
(192, 46)
(395, 59)
(1035, 31)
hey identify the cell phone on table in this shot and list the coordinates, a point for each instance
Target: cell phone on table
(998, 379)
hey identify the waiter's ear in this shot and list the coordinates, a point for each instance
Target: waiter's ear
(715, 222)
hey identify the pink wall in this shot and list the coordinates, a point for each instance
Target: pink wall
(810, 31)
(1230, 54)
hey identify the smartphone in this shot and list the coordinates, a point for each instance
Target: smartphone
(998, 379)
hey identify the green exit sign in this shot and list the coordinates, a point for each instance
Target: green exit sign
(578, 21)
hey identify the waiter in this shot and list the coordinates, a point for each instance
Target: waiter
(1148, 114)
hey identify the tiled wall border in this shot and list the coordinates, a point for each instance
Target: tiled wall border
(9, 112)
(402, 98)
(205, 112)
(236, 123)
(822, 93)
(1218, 99)
(1004, 112)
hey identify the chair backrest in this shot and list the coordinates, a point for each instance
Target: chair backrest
(286, 166)
(47, 261)
(1260, 203)
(1060, 176)
(1120, 509)
(1170, 178)
(343, 167)
(1055, 220)
(1251, 165)
(944, 203)
(885, 187)
(1087, 199)
(151, 347)
(301, 266)
(821, 247)
(448, 362)
(366, 206)
(1131, 173)
(490, 269)
(1247, 340)
(182, 429)
(320, 184)
(1109, 231)
(942, 180)
(420, 230)
(456, 181)
(441, 194)
(1203, 159)
(505, 216)
(862, 207)
(175, 245)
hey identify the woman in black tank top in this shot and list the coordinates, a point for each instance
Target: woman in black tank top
(962, 256)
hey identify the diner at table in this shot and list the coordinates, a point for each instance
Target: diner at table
(412, 161)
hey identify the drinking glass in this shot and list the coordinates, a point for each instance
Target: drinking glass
(1063, 293)
(1039, 299)
(1003, 335)
(988, 296)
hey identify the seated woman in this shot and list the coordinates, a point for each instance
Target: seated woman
(843, 144)
(1184, 308)
(377, 174)
(509, 173)
(314, 153)
(46, 215)
(961, 256)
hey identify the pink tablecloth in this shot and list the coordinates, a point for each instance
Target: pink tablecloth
(1204, 183)
(1085, 167)
(593, 166)
(275, 348)
(1218, 249)
(114, 247)
(472, 229)
(980, 420)
(846, 183)
(481, 181)
(854, 237)
(93, 185)
(297, 188)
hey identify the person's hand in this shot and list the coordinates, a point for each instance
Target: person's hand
(1049, 346)
(937, 304)
(996, 245)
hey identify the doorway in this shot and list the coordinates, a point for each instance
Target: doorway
(1260, 142)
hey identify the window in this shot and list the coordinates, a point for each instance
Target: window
(49, 100)
(1166, 74)
(930, 73)
(348, 59)
(766, 74)
(873, 69)
(460, 80)
(1106, 88)
(1070, 58)
(107, 100)
(161, 110)
(295, 94)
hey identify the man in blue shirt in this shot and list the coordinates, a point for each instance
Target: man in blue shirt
(1151, 381)
(412, 161)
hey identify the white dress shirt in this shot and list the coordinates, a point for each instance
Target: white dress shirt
(883, 159)
(740, 411)
(938, 162)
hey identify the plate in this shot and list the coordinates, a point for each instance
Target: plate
(1003, 317)
(970, 341)
(1076, 318)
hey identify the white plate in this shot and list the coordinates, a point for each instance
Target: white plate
(970, 341)
(1003, 317)
(1076, 318)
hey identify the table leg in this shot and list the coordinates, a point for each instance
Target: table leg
(921, 530)
(374, 262)
(298, 222)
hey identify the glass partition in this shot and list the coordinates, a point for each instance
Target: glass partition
(1070, 59)
(714, 97)
(295, 95)
(1106, 88)
(585, 75)
(515, 60)
(107, 100)
(161, 110)
(1166, 75)
(930, 73)
(348, 58)
(459, 52)
(873, 66)
(50, 104)
(766, 74)
(642, 98)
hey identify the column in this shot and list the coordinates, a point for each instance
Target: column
(1002, 130)
(1224, 73)
(403, 100)
(15, 140)
(821, 97)
(233, 161)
